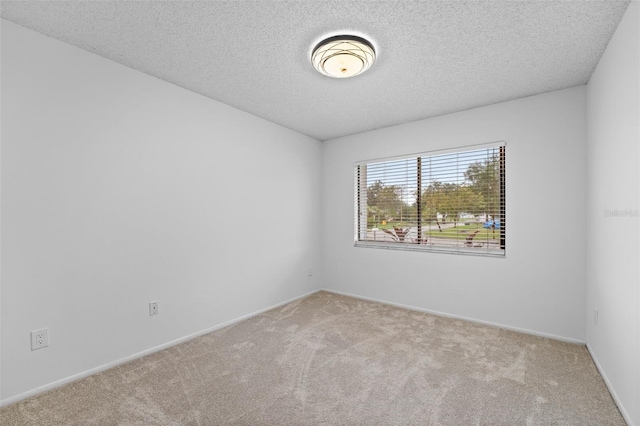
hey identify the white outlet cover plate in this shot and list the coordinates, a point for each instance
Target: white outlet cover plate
(39, 339)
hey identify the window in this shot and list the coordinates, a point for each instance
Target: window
(445, 201)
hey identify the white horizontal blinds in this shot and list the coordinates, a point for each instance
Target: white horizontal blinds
(361, 202)
(448, 201)
(503, 197)
(391, 188)
(462, 200)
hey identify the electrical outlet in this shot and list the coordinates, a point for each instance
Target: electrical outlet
(309, 272)
(595, 316)
(153, 308)
(39, 338)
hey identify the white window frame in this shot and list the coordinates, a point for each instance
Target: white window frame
(360, 206)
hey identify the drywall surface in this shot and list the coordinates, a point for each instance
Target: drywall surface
(613, 111)
(539, 286)
(119, 189)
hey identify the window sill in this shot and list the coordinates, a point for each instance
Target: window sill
(473, 251)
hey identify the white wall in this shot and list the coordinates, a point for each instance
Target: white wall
(539, 286)
(119, 189)
(612, 257)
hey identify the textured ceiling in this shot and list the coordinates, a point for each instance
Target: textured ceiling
(435, 57)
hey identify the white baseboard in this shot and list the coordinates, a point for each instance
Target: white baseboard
(103, 367)
(624, 413)
(460, 317)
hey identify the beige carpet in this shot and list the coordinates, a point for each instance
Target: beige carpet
(334, 360)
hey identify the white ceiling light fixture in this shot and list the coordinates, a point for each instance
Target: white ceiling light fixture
(343, 56)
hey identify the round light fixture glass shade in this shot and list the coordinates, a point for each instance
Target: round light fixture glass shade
(343, 56)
